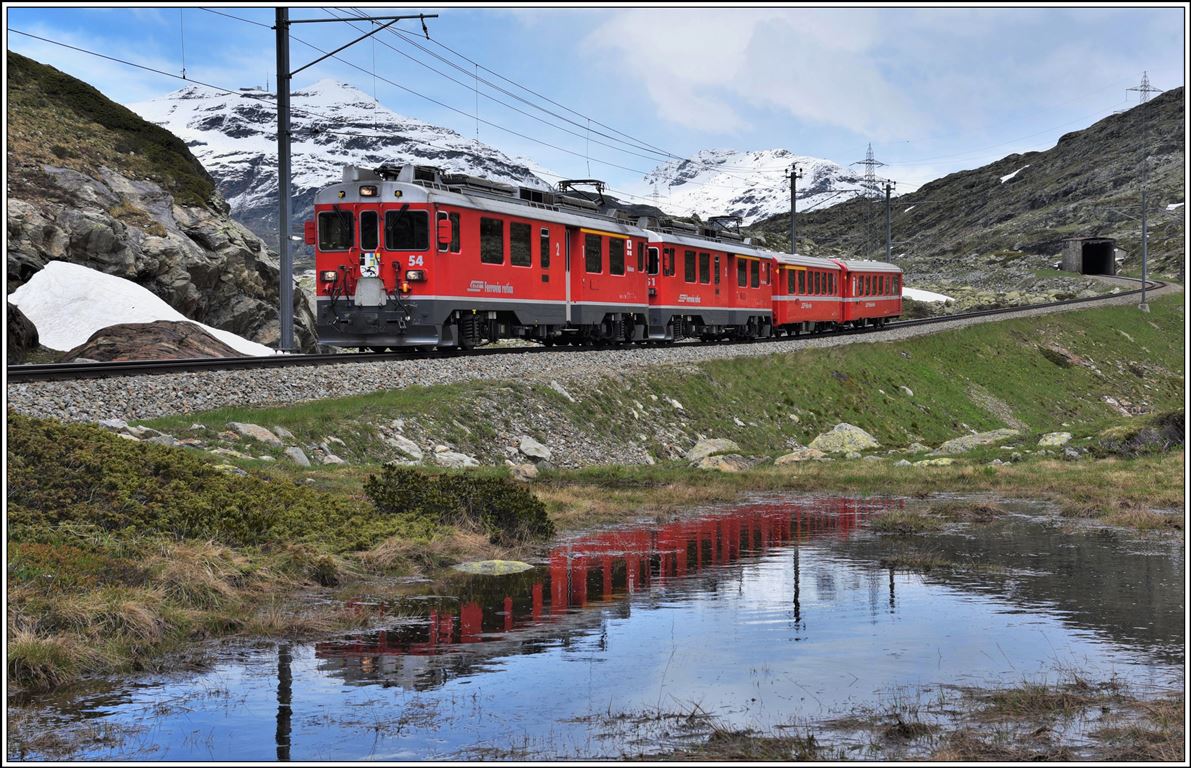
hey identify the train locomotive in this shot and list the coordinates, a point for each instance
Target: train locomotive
(410, 256)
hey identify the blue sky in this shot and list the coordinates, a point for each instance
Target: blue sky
(934, 90)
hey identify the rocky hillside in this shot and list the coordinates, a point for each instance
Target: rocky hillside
(90, 182)
(751, 185)
(334, 124)
(1006, 219)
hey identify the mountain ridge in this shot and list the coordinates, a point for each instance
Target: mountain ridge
(334, 124)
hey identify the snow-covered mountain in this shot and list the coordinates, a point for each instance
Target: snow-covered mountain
(752, 185)
(234, 136)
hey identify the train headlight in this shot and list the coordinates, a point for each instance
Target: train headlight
(329, 275)
(415, 275)
(368, 190)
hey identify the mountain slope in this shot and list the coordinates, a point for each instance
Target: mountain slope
(91, 183)
(1007, 219)
(334, 124)
(752, 185)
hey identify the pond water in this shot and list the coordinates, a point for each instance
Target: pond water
(769, 613)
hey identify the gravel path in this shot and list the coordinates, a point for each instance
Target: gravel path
(145, 397)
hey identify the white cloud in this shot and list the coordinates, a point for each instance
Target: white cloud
(703, 67)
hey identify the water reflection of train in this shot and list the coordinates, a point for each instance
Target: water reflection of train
(585, 581)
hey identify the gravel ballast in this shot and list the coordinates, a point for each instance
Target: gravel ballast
(144, 397)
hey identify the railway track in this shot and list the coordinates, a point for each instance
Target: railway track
(58, 371)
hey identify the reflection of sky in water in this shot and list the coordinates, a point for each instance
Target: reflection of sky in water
(729, 638)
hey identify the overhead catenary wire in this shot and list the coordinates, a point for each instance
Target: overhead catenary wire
(233, 92)
(636, 143)
(585, 135)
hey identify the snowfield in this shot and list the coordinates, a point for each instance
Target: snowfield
(1009, 176)
(752, 185)
(68, 303)
(918, 294)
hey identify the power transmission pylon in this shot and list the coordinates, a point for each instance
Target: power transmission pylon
(1143, 92)
(872, 190)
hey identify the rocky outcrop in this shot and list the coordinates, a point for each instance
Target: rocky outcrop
(844, 438)
(91, 183)
(22, 335)
(162, 340)
(800, 455)
(968, 442)
(1054, 440)
(727, 462)
(454, 460)
(255, 432)
(197, 259)
(708, 447)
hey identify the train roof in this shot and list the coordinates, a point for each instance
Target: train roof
(798, 260)
(870, 266)
(694, 241)
(416, 184)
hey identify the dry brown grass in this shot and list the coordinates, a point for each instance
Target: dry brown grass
(444, 548)
(200, 574)
(1153, 731)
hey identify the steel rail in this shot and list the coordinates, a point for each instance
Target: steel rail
(55, 371)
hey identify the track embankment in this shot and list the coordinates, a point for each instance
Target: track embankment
(162, 394)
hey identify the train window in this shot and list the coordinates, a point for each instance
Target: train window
(704, 267)
(520, 244)
(767, 273)
(492, 241)
(335, 231)
(818, 283)
(453, 246)
(801, 281)
(369, 236)
(897, 285)
(755, 273)
(688, 266)
(653, 261)
(831, 284)
(742, 272)
(615, 256)
(407, 230)
(593, 253)
(640, 255)
(544, 250)
(668, 266)
(790, 281)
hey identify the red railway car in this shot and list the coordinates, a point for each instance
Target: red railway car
(707, 284)
(412, 257)
(872, 293)
(807, 294)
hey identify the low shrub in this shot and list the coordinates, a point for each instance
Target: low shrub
(501, 508)
(64, 478)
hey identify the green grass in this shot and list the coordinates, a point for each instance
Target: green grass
(954, 376)
(119, 551)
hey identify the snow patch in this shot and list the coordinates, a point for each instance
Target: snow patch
(753, 185)
(69, 302)
(1174, 206)
(1007, 177)
(912, 207)
(918, 294)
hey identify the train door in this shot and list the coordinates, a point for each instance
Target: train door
(571, 234)
(716, 279)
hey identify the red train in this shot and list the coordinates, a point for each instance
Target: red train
(412, 257)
